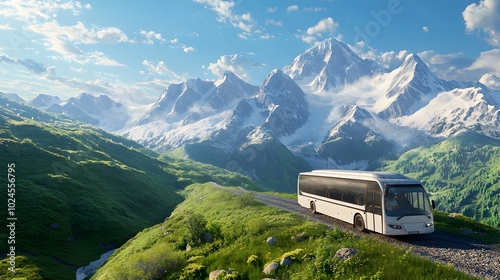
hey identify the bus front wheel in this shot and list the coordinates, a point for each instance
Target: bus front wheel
(359, 223)
(312, 207)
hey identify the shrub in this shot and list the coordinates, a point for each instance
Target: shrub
(196, 224)
(193, 271)
(252, 259)
(293, 255)
(246, 199)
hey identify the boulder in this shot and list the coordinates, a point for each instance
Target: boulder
(270, 268)
(271, 240)
(344, 254)
(215, 273)
(285, 262)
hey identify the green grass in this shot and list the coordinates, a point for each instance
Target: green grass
(460, 225)
(240, 228)
(81, 191)
(462, 173)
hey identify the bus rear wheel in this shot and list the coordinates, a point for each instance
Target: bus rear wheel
(312, 207)
(359, 223)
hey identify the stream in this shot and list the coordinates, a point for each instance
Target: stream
(89, 269)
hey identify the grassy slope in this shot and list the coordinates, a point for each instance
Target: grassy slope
(80, 191)
(240, 227)
(463, 174)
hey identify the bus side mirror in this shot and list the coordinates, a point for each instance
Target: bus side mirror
(433, 204)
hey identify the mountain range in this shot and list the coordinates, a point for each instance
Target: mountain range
(329, 108)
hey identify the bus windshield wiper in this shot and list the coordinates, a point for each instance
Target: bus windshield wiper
(414, 214)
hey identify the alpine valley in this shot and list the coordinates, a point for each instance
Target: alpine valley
(329, 108)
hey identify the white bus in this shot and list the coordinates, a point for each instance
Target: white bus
(387, 203)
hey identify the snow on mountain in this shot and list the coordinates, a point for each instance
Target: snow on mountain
(100, 111)
(44, 101)
(329, 65)
(196, 98)
(190, 111)
(411, 87)
(452, 111)
(350, 140)
(328, 109)
(285, 100)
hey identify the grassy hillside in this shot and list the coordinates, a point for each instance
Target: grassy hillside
(240, 228)
(462, 173)
(80, 191)
(268, 162)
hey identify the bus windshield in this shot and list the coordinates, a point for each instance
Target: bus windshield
(406, 200)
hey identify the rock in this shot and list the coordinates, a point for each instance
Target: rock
(301, 237)
(270, 268)
(285, 262)
(271, 240)
(216, 273)
(54, 226)
(207, 238)
(188, 248)
(344, 254)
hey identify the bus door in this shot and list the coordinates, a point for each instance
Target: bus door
(374, 207)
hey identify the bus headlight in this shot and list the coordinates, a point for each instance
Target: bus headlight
(395, 226)
(430, 224)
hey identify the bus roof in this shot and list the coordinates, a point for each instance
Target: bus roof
(387, 177)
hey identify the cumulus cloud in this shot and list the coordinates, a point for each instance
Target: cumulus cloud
(490, 80)
(425, 29)
(188, 49)
(324, 26)
(224, 10)
(488, 60)
(235, 63)
(292, 8)
(149, 36)
(484, 17)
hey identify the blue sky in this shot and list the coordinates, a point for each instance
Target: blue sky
(132, 50)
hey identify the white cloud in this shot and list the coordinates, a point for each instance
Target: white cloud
(488, 60)
(225, 14)
(235, 63)
(295, 8)
(484, 17)
(490, 80)
(65, 39)
(272, 9)
(324, 26)
(188, 49)
(150, 36)
(274, 22)
(6, 27)
(425, 29)
(160, 68)
(34, 11)
(292, 8)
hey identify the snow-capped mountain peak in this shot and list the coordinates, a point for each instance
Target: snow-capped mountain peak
(330, 64)
(44, 101)
(411, 86)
